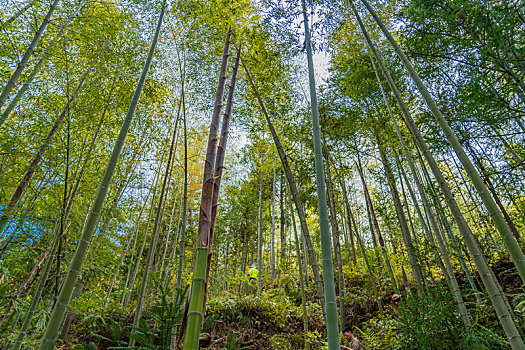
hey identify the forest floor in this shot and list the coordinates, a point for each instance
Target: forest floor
(274, 319)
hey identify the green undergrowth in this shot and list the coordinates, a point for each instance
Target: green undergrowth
(431, 322)
(274, 319)
(239, 319)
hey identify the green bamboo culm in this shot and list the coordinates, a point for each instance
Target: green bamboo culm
(36, 297)
(301, 276)
(156, 227)
(197, 292)
(38, 66)
(27, 55)
(55, 321)
(376, 226)
(495, 213)
(196, 300)
(17, 14)
(185, 191)
(332, 322)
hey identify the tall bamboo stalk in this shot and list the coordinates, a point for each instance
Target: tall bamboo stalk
(349, 223)
(401, 216)
(375, 284)
(134, 236)
(378, 231)
(156, 229)
(272, 241)
(332, 327)
(447, 269)
(36, 298)
(219, 164)
(259, 230)
(27, 55)
(53, 326)
(47, 266)
(336, 241)
(198, 287)
(185, 200)
(38, 66)
(301, 277)
(445, 223)
(132, 273)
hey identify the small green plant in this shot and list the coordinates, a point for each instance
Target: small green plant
(316, 340)
(155, 329)
(431, 321)
(482, 338)
(165, 317)
(88, 346)
(519, 303)
(379, 333)
(279, 342)
(115, 334)
(233, 343)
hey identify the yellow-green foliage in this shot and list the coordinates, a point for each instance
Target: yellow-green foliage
(279, 342)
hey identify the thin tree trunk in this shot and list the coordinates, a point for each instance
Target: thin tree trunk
(130, 283)
(47, 267)
(490, 186)
(417, 246)
(447, 269)
(226, 276)
(336, 242)
(19, 191)
(375, 282)
(29, 52)
(156, 228)
(23, 286)
(301, 277)
(35, 299)
(178, 229)
(259, 232)
(53, 326)
(20, 217)
(448, 229)
(401, 217)
(122, 255)
(243, 255)
(272, 241)
(17, 14)
(517, 158)
(378, 231)
(282, 228)
(349, 224)
(38, 66)
(164, 271)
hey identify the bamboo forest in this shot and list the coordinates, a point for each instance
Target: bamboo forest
(262, 174)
